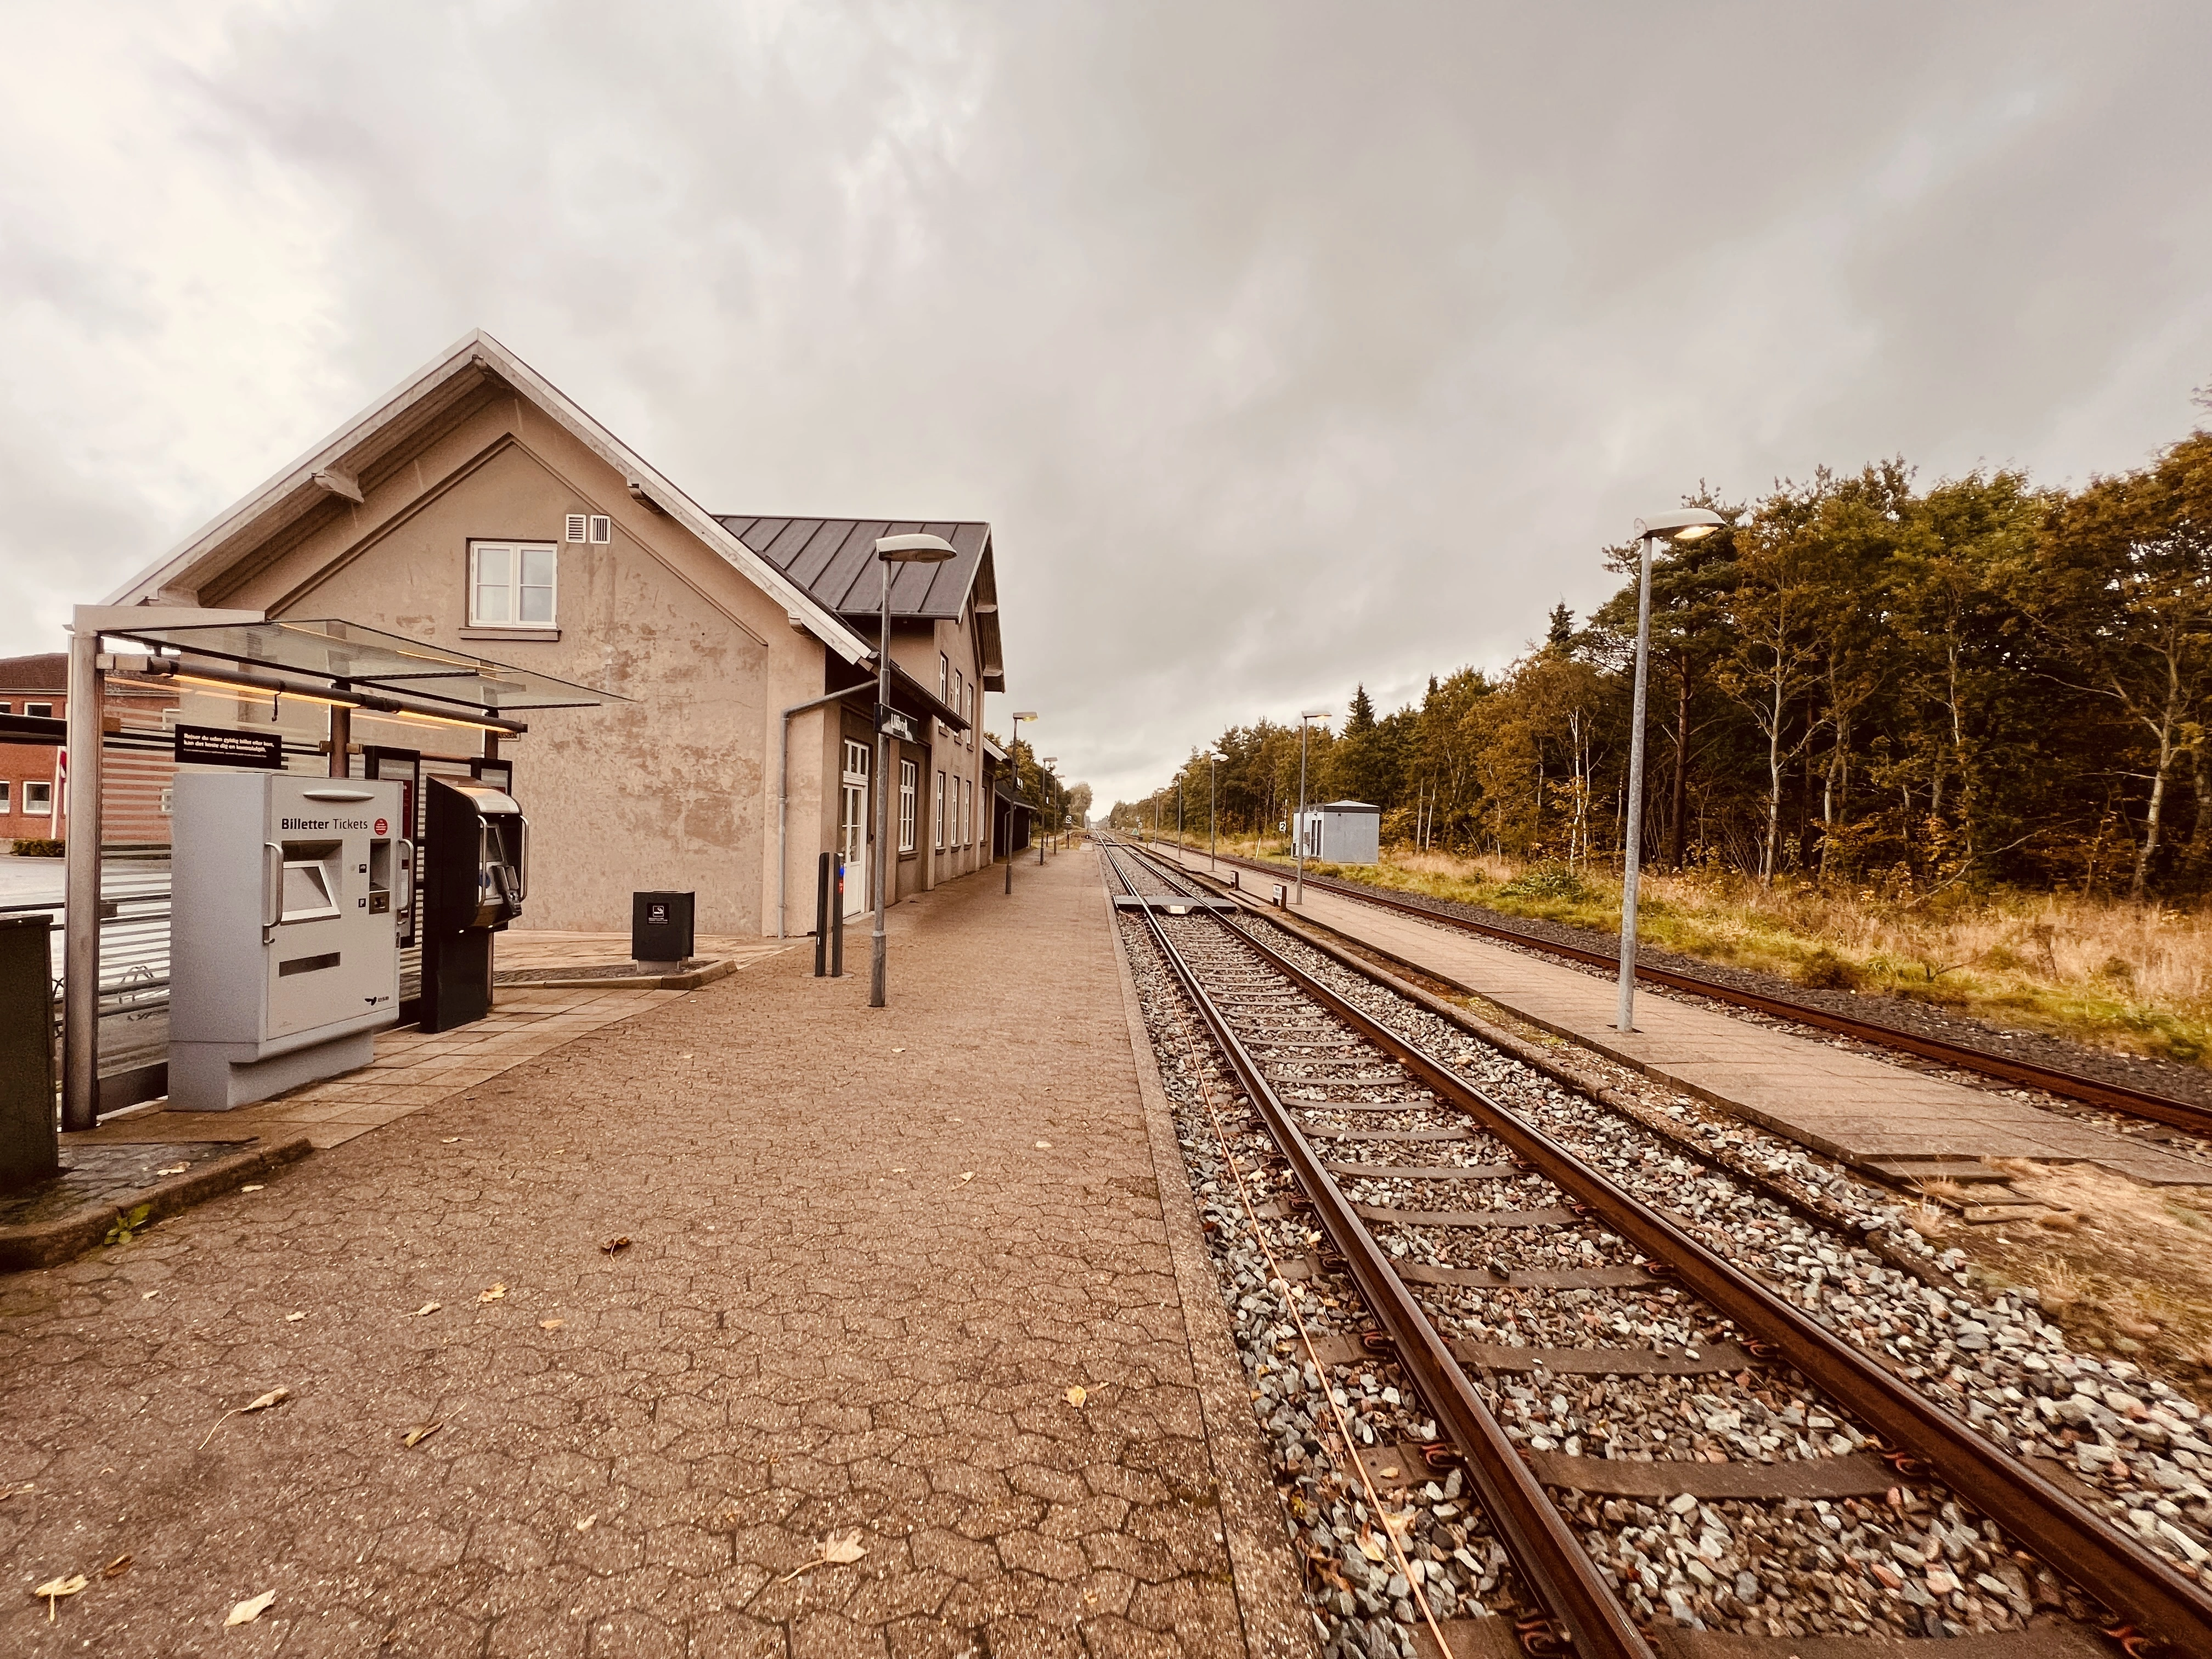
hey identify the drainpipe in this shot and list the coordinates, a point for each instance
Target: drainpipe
(783, 797)
(80, 807)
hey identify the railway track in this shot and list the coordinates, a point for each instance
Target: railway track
(2091, 1092)
(1667, 1387)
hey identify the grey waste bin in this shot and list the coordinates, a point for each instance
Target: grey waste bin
(30, 1146)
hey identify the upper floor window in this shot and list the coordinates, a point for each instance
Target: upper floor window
(944, 681)
(511, 583)
(42, 711)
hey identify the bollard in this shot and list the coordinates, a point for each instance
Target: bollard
(822, 916)
(837, 926)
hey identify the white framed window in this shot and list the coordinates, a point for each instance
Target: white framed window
(7, 707)
(38, 799)
(940, 811)
(512, 584)
(39, 711)
(169, 801)
(967, 811)
(944, 677)
(6, 805)
(910, 772)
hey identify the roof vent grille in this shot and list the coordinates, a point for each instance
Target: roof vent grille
(575, 526)
(602, 529)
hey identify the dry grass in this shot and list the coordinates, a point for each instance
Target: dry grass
(2132, 977)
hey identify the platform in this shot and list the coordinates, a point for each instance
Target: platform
(1849, 1105)
(685, 1294)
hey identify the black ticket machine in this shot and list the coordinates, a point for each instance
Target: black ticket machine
(472, 875)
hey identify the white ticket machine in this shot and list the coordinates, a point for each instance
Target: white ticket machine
(289, 892)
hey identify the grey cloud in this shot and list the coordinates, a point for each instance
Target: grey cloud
(1286, 344)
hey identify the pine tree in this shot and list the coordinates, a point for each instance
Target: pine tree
(1361, 716)
(1561, 634)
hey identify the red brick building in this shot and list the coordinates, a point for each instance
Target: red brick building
(30, 773)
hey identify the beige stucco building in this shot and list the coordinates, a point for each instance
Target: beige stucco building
(479, 509)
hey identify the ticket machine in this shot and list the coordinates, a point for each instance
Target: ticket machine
(283, 948)
(476, 870)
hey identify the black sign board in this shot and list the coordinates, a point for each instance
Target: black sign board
(213, 745)
(892, 724)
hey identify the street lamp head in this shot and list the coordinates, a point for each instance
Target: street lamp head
(1689, 523)
(1314, 714)
(1028, 716)
(914, 549)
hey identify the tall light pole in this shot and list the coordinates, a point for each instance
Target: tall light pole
(1298, 823)
(1044, 768)
(890, 551)
(1213, 863)
(1015, 751)
(1689, 525)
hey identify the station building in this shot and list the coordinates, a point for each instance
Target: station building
(478, 510)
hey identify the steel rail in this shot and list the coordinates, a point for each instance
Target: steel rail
(2104, 1562)
(1544, 1551)
(2093, 1091)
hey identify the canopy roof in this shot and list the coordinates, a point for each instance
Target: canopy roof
(352, 656)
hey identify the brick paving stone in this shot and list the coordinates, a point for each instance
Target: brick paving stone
(819, 1326)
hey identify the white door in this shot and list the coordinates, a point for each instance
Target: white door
(853, 825)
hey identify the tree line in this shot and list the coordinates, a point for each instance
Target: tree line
(1857, 679)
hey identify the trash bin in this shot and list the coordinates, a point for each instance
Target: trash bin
(660, 927)
(30, 1148)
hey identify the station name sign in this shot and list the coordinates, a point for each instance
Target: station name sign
(214, 745)
(892, 724)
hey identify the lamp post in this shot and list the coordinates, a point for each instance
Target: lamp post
(1689, 525)
(890, 551)
(1015, 750)
(1298, 823)
(1213, 838)
(1044, 770)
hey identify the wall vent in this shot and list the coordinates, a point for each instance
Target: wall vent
(602, 529)
(575, 526)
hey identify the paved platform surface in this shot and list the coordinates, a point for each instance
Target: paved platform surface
(1844, 1103)
(413, 1070)
(870, 1253)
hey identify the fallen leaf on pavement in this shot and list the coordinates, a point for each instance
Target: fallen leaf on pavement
(274, 1397)
(148, 1296)
(116, 1568)
(421, 1431)
(246, 1612)
(1371, 1547)
(497, 1293)
(450, 1140)
(1077, 1394)
(585, 1525)
(427, 1308)
(54, 1589)
(1044, 1145)
(968, 1175)
(898, 1051)
(900, 1171)
(293, 1319)
(619, 1241)
(173, 1169)
(831, 1551)
(255, 1188)
(550, 1324)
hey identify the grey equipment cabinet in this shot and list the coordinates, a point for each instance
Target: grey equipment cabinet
(288, 891)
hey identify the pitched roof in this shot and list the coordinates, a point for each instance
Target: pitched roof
(47, 671)
(419, 403)
(833, 559)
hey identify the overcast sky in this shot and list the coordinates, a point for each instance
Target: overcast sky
(1286, 345)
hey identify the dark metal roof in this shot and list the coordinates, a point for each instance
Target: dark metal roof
(833, 559)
